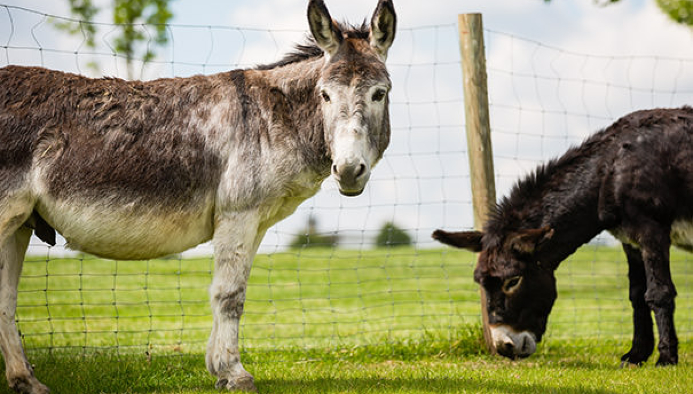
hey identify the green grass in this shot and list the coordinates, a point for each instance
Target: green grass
(332, 321)
(374, 369)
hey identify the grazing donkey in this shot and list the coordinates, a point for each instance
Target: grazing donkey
(634, 179)
(137, 170)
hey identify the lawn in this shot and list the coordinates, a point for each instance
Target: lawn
(577, 368)
(331, 321)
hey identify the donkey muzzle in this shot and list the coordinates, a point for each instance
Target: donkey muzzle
(513, 344)
(352, 175)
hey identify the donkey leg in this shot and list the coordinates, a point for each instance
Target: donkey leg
(20, 375)
(234, 248)
(643, 336)
(661, 292)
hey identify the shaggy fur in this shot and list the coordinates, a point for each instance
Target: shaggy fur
(136, 170)
(634, 179)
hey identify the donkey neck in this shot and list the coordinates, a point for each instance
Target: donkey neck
(290, 91)
(563, 195)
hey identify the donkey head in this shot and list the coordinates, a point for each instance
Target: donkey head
(520, 292)
(353, 89)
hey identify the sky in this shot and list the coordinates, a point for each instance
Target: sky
(556, 73)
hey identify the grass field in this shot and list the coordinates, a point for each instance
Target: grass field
(332, 321)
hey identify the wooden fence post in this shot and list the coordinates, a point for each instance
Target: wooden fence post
(478, 131)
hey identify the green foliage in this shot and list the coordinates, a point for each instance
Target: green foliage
(310, 237)
(307, 240)
(130, 17)
(85, 11)
(128, 14)
(390, 235)
(680, 11)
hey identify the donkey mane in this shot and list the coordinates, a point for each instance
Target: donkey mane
(309, 48)
(512, 213)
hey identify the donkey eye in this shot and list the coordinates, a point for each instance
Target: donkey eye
(379, 95)
(512, 284)
(325, 96)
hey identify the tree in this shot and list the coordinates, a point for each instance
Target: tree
(680, 11)
(391, 235)
(311, 238)
(127, 15)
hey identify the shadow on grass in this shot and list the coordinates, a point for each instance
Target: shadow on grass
(199, 382)
(125, 374)
(420, 385)
(419, 368)
(187, 374)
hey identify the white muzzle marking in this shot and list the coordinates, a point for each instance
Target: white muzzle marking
(351, 166)
(513, 344)
(351, 174)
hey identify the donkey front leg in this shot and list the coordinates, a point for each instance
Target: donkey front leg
(20, 375)
(234, 248)
(643, 336)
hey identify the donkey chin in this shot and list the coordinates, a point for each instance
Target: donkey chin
(511, 343)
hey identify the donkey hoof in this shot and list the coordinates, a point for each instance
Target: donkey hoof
(634, 358)
(244, 383)
(28, 385)
(627, 364)
(664, 361)
(221, 383)
(630, 362)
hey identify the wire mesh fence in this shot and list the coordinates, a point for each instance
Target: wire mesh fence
(352, 293)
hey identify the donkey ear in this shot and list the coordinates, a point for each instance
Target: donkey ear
(325, 31)
(383, 25)
(527, 241)
(470, 240)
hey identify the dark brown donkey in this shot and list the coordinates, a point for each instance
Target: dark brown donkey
(634, 179)
(136, 170)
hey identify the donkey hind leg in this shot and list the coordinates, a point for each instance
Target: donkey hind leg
(661, 292)
(235, 243)
(643, 336)
(20, 375)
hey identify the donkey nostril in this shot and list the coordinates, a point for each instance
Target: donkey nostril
(361, 171)
(507, 349)
(334, 168)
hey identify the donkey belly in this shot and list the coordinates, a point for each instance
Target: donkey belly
(682, 234)
(128, 232)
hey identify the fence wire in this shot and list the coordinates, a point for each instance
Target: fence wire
(543, 100)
